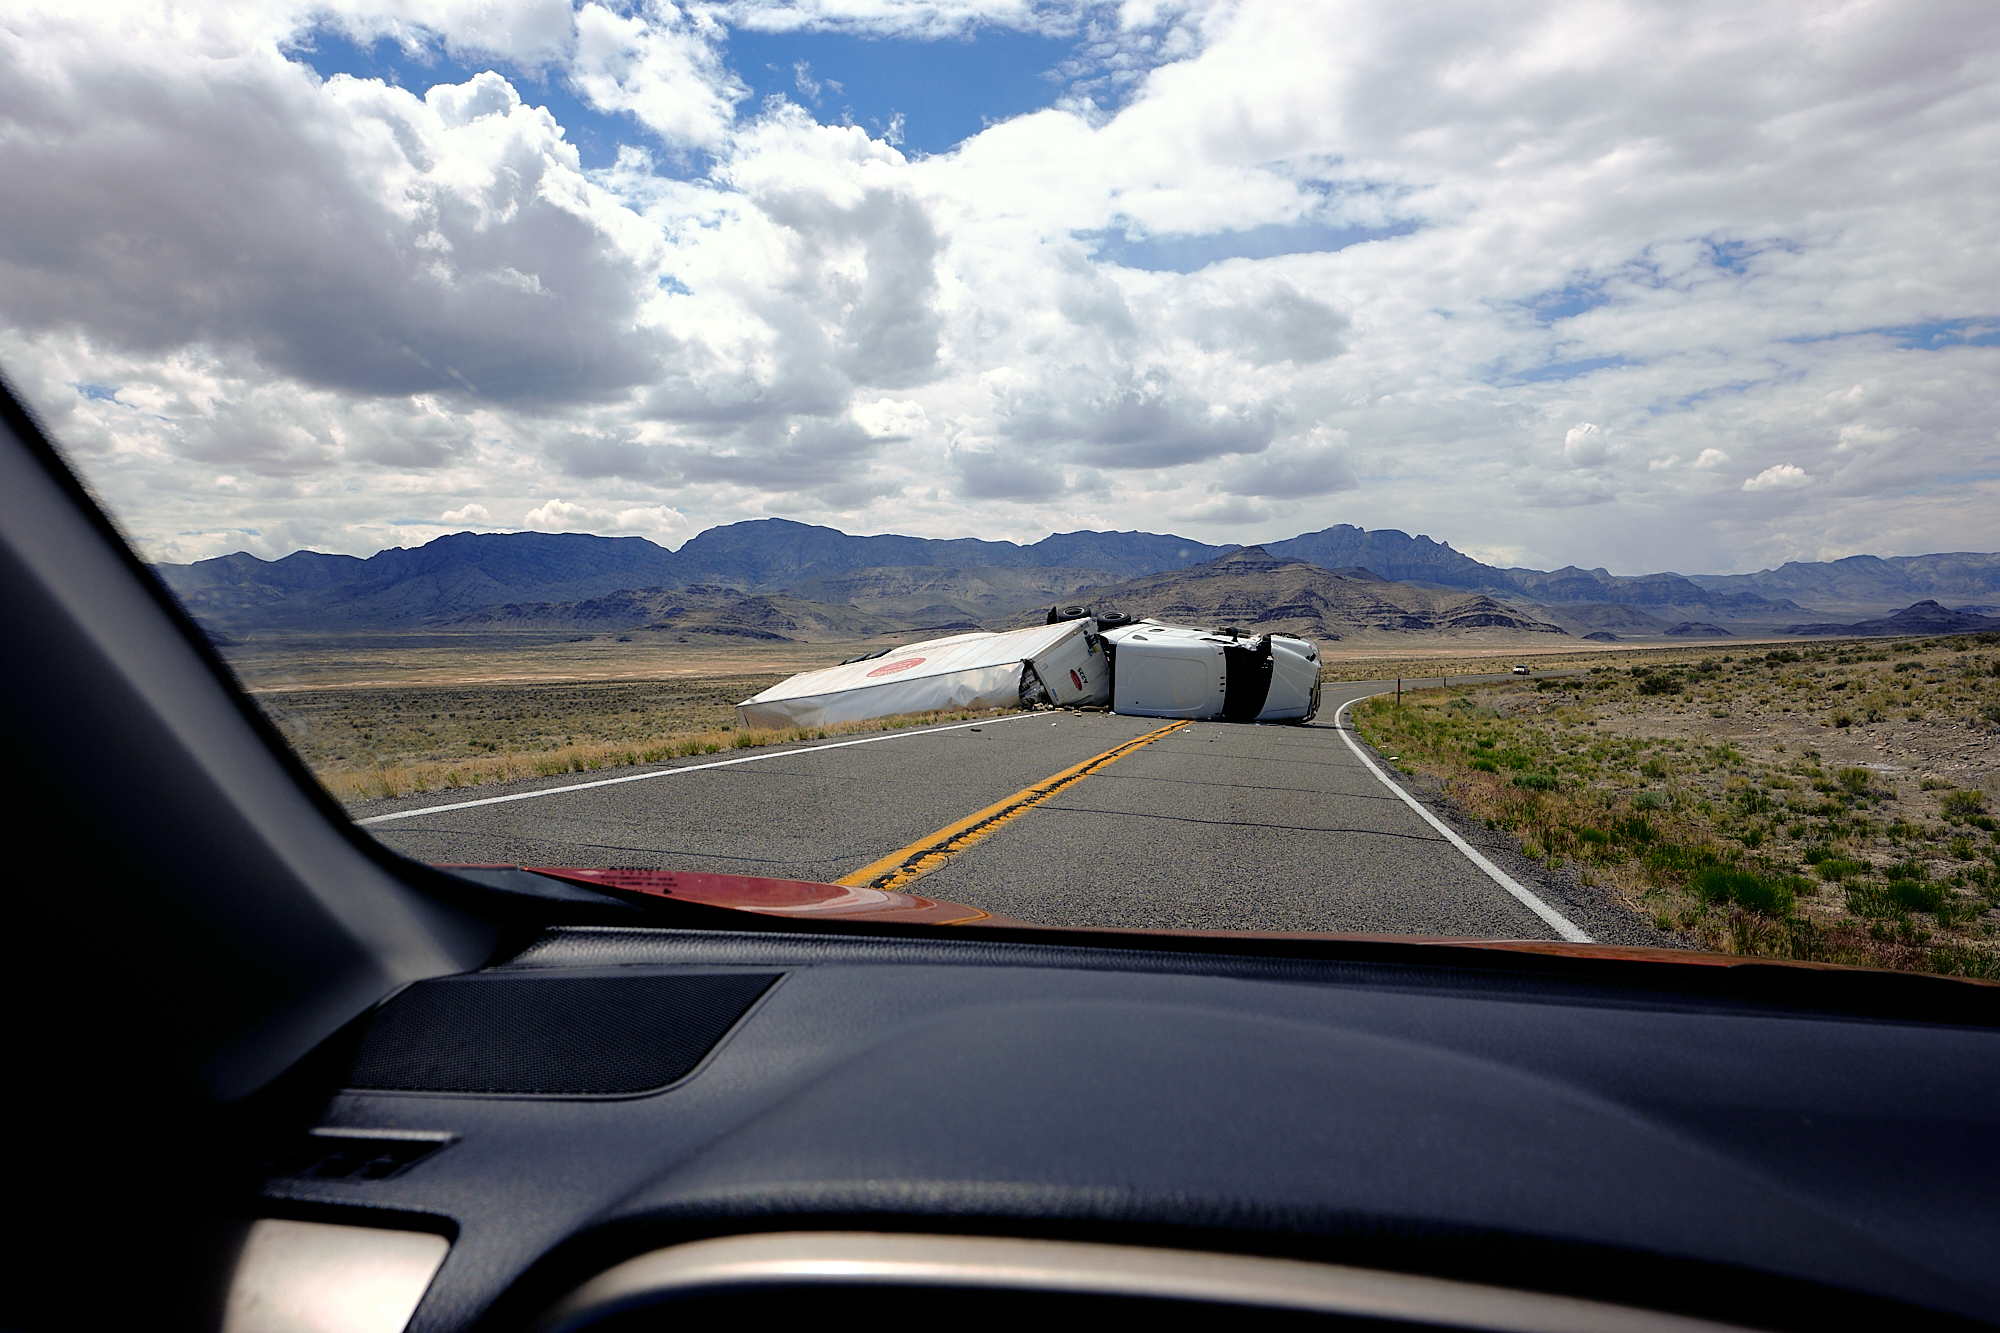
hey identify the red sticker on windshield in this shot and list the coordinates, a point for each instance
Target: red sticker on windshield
(891, 668)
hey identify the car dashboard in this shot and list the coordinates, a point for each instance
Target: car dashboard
(1552, 1140)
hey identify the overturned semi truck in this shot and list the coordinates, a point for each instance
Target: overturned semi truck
(1161, 670)
(1050, 664)
(1145, 668)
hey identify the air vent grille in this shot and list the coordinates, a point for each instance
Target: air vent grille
(341, 1157)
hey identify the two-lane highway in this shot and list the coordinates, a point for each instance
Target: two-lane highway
(1204, 826)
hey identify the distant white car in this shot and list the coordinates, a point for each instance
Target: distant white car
(1520, 670)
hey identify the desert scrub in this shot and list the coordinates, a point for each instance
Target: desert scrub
(1766, 846)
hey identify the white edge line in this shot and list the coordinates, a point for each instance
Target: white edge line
(1557, 922)
(670, 772)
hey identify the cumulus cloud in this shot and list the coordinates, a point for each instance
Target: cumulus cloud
(1778, 477)
(661, 64)
(1376, 261)
(892, 419)
(1318, 466)
(1006, 474)
(1147, 426)
(1283, 324)
(471, 513)
(528, 32)
(1583, 446)
(656, 521)
(346, 234)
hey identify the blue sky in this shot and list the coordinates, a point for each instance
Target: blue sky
(945, 89)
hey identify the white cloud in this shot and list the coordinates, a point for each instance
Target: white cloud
(656, 521)
(902, 419)
(1583, 445)
(471, 513)
(1779, 476)
(1631, 230)
(660, 64)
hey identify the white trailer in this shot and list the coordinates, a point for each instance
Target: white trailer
(1162, 670)
(1061, 664)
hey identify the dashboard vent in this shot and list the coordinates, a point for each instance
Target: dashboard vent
(550, 1036)
(353, 1157)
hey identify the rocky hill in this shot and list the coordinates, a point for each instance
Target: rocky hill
(1926, 617)
(1258, 592)
(978, 594)
(1867, 582)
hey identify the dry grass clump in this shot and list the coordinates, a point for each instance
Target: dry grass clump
(1713, 799)
(402, 778)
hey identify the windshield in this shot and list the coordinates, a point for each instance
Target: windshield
(1383, 469)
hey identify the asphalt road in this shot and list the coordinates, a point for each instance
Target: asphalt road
(1216, 826)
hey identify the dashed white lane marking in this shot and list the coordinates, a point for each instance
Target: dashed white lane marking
(1557, 922)
(675, 772)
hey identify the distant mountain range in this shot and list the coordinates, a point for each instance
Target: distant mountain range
(553, 580)
(1256, 591)
(1922, 618)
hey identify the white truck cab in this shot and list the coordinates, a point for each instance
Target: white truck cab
(1163, 670)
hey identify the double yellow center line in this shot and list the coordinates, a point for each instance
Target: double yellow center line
(928, 853)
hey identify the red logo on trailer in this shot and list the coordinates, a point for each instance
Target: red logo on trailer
(891, 668)
(1078, 680)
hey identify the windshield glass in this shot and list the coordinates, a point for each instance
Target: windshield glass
(1382, 469)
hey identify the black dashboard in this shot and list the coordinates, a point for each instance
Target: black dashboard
(1684, 1139)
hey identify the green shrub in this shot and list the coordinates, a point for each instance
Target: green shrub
(1650, 800)
(1870, 902)
(1753, 802)
(1854, 780)
(1635, 829)
(1671, 858)
(1961, 960)
(1964, 804)
(1659, 684)
(1537, 781)
(1748, 890)
(1915, 895)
